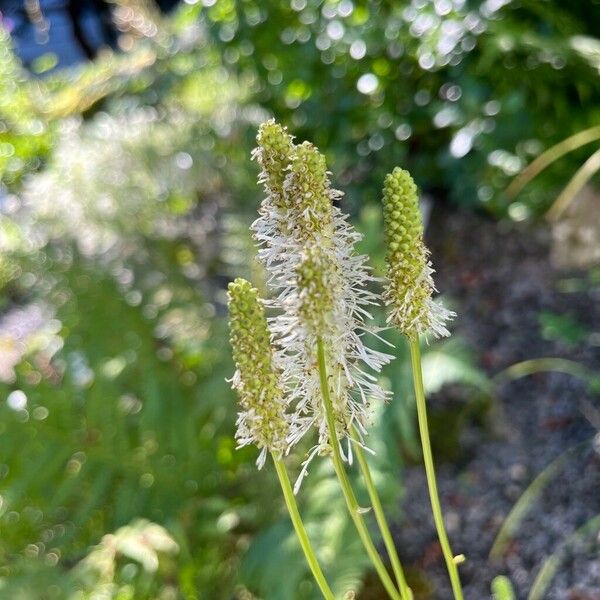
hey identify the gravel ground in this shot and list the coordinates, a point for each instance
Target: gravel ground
(501, 279)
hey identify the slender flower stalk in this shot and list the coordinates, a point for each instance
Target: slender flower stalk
(263, 420)
(451, 560)
(405, 591)
(351, 502)
(290, 502)
(408, 294)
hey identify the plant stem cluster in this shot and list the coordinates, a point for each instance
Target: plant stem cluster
(307, 369)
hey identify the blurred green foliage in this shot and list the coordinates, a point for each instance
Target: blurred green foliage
(462, 94)
(564, 328)
(126, 193)
(24, 135)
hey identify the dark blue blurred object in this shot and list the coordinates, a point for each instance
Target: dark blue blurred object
(73, 30)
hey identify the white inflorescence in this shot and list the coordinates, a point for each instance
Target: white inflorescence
(307, 247)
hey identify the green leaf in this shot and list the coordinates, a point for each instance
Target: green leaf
(450, 363)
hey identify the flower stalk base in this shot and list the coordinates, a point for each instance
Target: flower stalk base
(338, 464)
(290, 502)
(415, 357)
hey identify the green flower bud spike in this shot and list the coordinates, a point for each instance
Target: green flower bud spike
(412, 310)
(273, 154)
(308, 185)
(410, 285)
(316, 287)
(262, 420)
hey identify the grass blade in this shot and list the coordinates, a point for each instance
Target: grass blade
(589, 168)
(525, 503)
(549, 156)
(552, 563)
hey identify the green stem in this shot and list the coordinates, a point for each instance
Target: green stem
(415, 357)
(290, 502)
(381, 521)
(351, 502)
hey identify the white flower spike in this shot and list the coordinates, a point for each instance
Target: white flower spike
(307, 248)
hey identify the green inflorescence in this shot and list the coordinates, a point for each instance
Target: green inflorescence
(409, 287)
(274, 154)
(256, 381)
(309, 192)
(315, 275)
